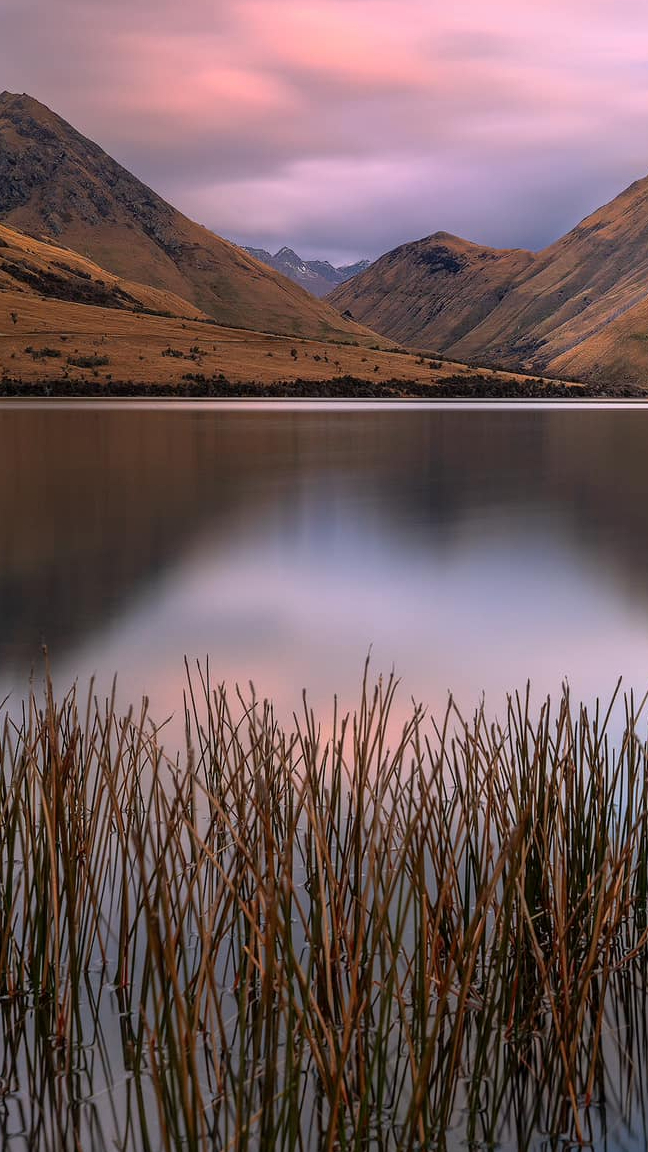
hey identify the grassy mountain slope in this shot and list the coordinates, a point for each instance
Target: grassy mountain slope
(430, 293)
(563, 309)
(52, 340)
(56, 184)
(62, 317)
(573, 290)
(34, 267)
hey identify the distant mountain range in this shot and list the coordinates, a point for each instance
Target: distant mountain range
(577, 309)
(316, 276)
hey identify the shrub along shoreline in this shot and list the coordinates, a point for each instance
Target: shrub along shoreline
(281, 940)
(344, 387)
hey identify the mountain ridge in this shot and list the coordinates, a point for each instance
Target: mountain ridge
(316, 276)
(56, 183)
(578, 307)
(70, 327)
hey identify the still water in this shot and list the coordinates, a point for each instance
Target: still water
(470, 548)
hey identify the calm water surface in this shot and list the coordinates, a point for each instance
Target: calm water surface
(470, 548)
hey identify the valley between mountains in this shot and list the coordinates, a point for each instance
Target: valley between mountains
(103, 284)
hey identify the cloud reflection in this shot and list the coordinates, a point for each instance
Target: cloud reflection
(470, 549)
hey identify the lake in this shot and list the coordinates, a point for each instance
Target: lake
(470, 547)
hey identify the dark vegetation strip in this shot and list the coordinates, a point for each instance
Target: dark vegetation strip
(341, 387)
(287, 941)
(81, 289)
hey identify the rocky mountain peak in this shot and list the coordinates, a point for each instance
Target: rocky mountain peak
(317, 276)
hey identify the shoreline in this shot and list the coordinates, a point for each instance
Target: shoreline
(340, 388)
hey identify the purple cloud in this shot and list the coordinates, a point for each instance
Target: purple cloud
(344, 127)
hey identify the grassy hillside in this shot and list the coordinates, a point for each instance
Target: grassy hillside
(580, 307)
(33, 268)
(430, 293)
(56, 184)
(48, 339)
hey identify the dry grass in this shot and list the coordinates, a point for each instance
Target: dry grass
(281, 941)
(576, 309)
(148, 349)
(34, 268)
(63, 317)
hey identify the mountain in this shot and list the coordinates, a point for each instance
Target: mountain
(35, 268)
(56, 184)
(432, 292)
(66, 322)
(579, 307)
(316, 276)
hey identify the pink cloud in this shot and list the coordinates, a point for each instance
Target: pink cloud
(191, 86)
(210, 103)
(335, 40)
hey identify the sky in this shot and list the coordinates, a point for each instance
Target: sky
(345, 127)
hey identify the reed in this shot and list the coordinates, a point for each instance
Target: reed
(291, 940)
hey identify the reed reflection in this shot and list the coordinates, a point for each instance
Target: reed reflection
(278, 943)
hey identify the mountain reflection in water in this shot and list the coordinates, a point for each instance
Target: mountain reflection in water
(471, 548)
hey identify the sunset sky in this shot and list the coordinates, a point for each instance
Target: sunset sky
(345, 127)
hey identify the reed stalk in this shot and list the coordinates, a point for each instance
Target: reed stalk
(316, 941)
